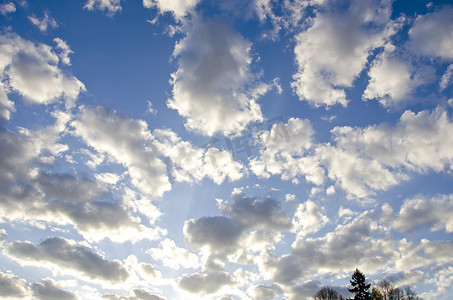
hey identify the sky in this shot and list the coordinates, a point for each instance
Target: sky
(206, 149)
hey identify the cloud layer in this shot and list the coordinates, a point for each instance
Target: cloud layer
(220, 189)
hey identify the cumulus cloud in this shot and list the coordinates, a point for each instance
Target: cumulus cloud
(32, 71)
(421, 39)
(6, 106)
(187, 162)
(410, 143)
(220, 234)
(143, 152)
(442, 280)
(447, 78)
(131, 145)
(211, 88)
(111, 7)
(294, 137)
(309, 218)
(359, 177)
(357, 243)
(262, 292)
(173, 256)
(383, 153)
(138, 294)
(391, 79)
(94, 214)
(205, 283)
(43, 23)
(107, 178)
(68, 256)
(251, 227)
(179, 8)
(7, 8)
(312, 161)
(65, 51)
(363, 160)
(149, 271)
(16, 152)
(249, 212)
(421, 254)
(48, 289)
(11, 286)
(421, 212)
(29, 194)
(334, 50)
(287, 15)
(284, 150)
(304, 290)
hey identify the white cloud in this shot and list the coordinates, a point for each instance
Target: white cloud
(111, 7)
(305, 290)
(179, 8)
(68, 256)
(29, 195)
(447, 78)
(65, 51)
(421, 254)
(130, 144)
(285, 15)
(364, 160)
(294, 137)
(173, 256)
(142, 152)
(94, 214)
(221, 236)
(189, 163)
(355, 244)
(210, 85)
(149, 271)
(334, 50)
(205, 283)
(309, 218)
(32, 71)
(358, 176)
(11, 286)
(330, 190)
(442, 280)
(423, 41)
(283, 151)
(15, 153)
(262, 292)
(107, 178)
(43, 23)
(391, 80)
(49, 290)
(290, 198)
(138, 294)
(7, 8)
(249, 212)
(150, 108)
(435, 213)
(411, 143)
(6, 106)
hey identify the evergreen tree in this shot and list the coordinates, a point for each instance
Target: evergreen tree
(359, 286)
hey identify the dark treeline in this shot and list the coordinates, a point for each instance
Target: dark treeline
(384, 290)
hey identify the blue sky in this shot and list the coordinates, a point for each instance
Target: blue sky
(188, 149)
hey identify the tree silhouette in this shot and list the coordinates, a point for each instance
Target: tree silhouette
(327, 293)
(385, 290)
(359, 286)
